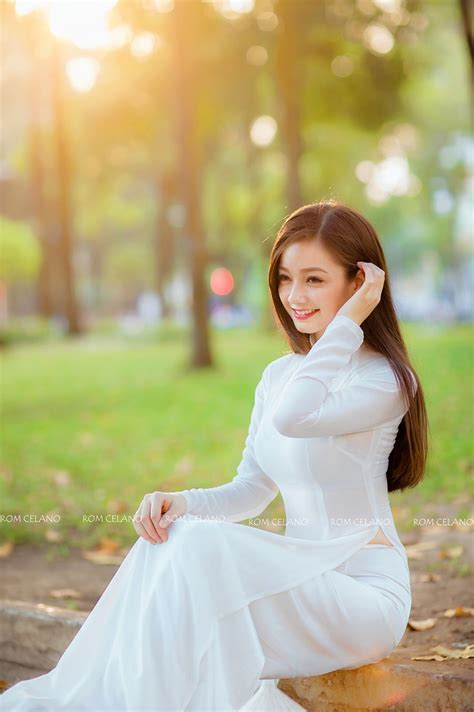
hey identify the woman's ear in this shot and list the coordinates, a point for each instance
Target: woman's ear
(358, 280)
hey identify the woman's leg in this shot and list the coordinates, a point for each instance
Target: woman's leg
(194, 623)
(345, 618)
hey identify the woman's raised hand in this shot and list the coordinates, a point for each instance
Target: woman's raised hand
(156, 512)
(365, 299)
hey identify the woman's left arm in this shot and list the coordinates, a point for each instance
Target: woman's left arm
(307, 409)
(250, 491)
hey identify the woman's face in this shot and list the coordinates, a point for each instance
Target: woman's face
(310, 280)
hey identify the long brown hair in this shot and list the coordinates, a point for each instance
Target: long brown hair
(350, 238)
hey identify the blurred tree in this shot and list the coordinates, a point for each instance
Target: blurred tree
(187, 19)
(375, 87)
(466, 8)
(290, 53)
(164, 242)
(34, 42)
(20, 254)
(128, 271)
(64, 188)
(20, 258)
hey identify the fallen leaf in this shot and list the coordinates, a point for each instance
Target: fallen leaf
(6, 549)
(64, 593)
(441, 653)
(415, 551)
(98, 557)
(459, 612)
(422, 625)
(452, 553)
(429, 578)
(108, 545)
(3, 684)
(467, 652)
(104, 554)
(53, 535)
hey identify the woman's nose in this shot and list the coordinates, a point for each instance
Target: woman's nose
(297, 295)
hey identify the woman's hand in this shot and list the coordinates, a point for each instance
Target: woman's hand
(365, 299)
(156, 512)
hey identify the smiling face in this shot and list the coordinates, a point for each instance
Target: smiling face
(310, 280)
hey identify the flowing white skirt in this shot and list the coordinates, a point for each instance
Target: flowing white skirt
(198, 622)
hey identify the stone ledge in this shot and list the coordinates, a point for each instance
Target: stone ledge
(396, 683)
(34, 636)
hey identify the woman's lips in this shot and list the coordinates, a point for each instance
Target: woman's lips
(303, 317)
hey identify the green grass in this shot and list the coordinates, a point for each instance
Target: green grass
(443, 359)
(88, 428)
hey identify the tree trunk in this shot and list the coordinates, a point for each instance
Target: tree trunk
(164, 241)
(289, 89)
(186, 52)
(467, 22)
(63, 176)
(44, 296)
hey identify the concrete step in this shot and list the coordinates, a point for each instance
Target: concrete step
(34, 636)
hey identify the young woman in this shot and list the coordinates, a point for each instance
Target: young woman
(197, 622)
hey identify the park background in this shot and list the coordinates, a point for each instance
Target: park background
(150, 151)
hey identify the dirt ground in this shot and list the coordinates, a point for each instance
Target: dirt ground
(441, 566)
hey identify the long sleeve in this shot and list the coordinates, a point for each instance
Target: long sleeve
(308, 409)
(250, 491)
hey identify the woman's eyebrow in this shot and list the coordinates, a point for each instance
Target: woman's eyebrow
(307, 269)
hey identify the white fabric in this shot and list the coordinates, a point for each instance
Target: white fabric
(197, 622)
(269, 697)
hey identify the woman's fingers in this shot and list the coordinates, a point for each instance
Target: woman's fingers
(367, 296)
(152, 511)
(147, 521)
(138, 526)
(141, 531)
(144, 526)
(379, 279)
(155, 515)
(374, 278)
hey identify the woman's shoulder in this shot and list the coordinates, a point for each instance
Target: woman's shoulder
(373, 365)
(366, 364)
(368, 357)
(279, 366)
(370, 363)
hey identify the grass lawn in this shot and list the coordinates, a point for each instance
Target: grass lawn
(89, 427)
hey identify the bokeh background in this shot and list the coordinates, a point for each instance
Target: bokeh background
(150, 150)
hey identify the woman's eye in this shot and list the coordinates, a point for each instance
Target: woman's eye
(284, 276)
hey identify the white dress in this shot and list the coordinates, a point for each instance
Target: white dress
(198, 622)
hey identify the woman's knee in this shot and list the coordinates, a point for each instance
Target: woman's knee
(189, 530)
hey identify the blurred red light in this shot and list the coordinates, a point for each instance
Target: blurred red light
(222, 281)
